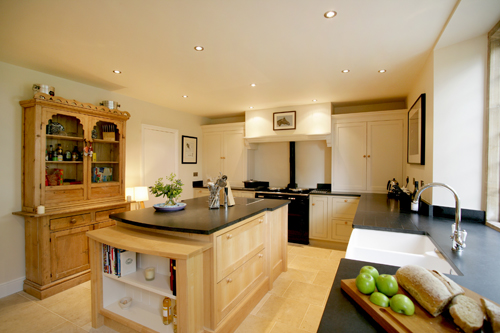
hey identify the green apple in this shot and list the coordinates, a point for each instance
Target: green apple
(365, 283)
(402, 304)
(379, 299)
(387, 284)
(370, 270)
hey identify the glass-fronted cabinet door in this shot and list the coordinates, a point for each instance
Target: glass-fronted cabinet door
(106, 167)
(64, 163)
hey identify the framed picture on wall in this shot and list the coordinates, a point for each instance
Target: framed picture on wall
(284, 120)
(189, 150)
(416, 132)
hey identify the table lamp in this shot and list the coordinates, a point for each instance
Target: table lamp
(141, 195)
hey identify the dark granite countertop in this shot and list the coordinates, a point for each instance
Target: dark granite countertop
(197, 218)
(477, 262)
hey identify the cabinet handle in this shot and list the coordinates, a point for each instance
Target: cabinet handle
(368, 155)
(229, 280)
(364, 155)
(229, 236)
(261, 220)
(261, 255)
(72, 221)
(313, 204)
(345, 200)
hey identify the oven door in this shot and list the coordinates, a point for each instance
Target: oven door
(298, 215)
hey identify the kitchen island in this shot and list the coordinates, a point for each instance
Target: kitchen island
(226, 261)
(478, 263)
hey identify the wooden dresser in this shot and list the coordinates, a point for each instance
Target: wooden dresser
(78, 193)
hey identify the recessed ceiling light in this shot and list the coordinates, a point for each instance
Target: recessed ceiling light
(382, 71)
(315, 100)
(330, 14)
(251, 107)
(117, 71)
(345, 71)
(253, 85)
(199, 48)
(185, 96)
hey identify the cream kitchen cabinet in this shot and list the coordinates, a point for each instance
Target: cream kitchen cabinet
(330, 218)
(224, 152)
(367, 151)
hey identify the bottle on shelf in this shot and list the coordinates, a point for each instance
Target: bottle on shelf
(174, 316)
(91, 153)
(167, 311)
(60, 152)
(50, 154)
(75, 155)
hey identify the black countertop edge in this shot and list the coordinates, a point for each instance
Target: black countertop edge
(197, 218)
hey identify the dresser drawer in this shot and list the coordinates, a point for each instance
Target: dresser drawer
(70, 221)
(344, 207)
(103, 215)
(238, 245)
(233, 288)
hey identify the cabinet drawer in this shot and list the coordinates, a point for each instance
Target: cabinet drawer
(342, 230)
(70, 221)
(236, 246)
(103, 215)
(232, 289)
(344, 207)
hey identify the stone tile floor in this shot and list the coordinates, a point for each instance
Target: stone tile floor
(295, 304)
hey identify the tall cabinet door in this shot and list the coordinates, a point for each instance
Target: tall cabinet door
(350, 156)
(384, 153)
(235, 157)
(212, 155)
(319, 219)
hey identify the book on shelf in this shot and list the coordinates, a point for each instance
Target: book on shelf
(173, 282)
(118, 261)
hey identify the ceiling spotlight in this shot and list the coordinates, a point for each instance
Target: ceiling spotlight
(315, 100)
(345, 71)
(382, 71)
(251, 107)
(253, 85)
(117, 71)
(330, 14)
(199, 48)
(185, 96)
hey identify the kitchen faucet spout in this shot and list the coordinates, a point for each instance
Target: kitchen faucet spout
(458, 235)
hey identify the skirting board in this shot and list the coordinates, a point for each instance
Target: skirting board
(11, 287)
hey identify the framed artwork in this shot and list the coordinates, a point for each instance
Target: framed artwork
(189, 150)
(416, 132)
(284, 120)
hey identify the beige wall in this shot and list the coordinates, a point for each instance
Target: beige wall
(15, 85)
(454, 80)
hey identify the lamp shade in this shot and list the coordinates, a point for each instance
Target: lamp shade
(129, 191)
(141, 193)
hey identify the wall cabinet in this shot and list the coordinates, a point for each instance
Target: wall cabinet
(224, 152)
(367, 153)
(330, 217)
(78, 191)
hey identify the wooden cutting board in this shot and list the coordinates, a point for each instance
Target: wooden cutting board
(391, 321)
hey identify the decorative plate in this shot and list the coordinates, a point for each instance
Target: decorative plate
(162, 208)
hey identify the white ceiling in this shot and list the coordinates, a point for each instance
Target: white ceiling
(286, 47)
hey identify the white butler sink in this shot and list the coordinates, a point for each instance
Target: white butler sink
(396, 249)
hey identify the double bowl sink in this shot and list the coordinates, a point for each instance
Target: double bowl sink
(397, 249)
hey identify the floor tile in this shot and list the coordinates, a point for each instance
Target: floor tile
(67, 327)
(310, 293)
(260, 304)
(337, 255)
(305, 263)
(253, 324)
(27, 317)
(280, 286)
(299, 275)
(315, 252)
(285, 328)
(280, 309)
(312, 318)
(324, 279)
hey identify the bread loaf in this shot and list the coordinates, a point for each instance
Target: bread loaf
(432, 290)
(466, 313)
(492, 314)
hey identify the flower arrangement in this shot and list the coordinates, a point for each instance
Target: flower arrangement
(171, 190)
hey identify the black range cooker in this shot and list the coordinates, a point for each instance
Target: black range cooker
(298, 210)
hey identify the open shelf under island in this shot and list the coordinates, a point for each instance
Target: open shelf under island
(226, 261)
